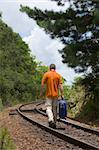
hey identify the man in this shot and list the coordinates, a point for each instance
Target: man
(53, 82)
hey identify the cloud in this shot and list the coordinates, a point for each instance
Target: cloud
(19, 21)
(15, 19)
(46, 50)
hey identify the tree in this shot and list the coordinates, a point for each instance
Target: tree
(79, 47)
(19, 71)
(78, 29)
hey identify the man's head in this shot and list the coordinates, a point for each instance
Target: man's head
(52, 66)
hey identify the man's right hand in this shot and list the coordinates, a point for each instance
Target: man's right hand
(62, 96)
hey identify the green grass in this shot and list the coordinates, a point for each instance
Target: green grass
(1, 105)
(6, 142)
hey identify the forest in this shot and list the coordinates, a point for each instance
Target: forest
(20, 73)
(20, 76)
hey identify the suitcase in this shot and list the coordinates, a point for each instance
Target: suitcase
(62, 109)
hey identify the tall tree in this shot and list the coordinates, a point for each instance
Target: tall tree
(19, 71)
(78, 29)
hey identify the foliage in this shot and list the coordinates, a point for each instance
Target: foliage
(1, 105)
(78, 51)
(20, 74)
(87, 105)
(5, 141)
(76, 96)
(38, 74)
(78, 29)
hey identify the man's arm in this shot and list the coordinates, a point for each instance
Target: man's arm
(41, 90)
(42, 85)
(61, 87)
(61, 90)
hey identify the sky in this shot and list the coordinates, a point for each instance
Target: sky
(41, 45)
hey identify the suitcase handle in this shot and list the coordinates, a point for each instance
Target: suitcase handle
(62, 97)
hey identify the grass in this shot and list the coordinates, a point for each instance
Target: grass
(6, 142)
(1, 105)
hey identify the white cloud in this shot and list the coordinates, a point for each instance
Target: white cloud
(41, 4)
(15, 19)
(19, 21)
(44, 48)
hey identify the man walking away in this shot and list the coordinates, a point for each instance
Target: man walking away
(53, 82)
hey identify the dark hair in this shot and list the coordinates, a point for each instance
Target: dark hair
(52, 66)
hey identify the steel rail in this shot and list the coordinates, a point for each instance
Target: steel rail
(60, 135)
(87, 129)
(30, 110)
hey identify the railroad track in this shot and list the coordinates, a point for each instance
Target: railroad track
(87, 129)
(62, 128)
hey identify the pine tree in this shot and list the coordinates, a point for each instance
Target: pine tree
(78, 29)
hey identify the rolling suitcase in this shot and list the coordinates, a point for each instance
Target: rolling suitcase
(62, 109)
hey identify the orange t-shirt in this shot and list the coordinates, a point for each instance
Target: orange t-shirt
(52, 80)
